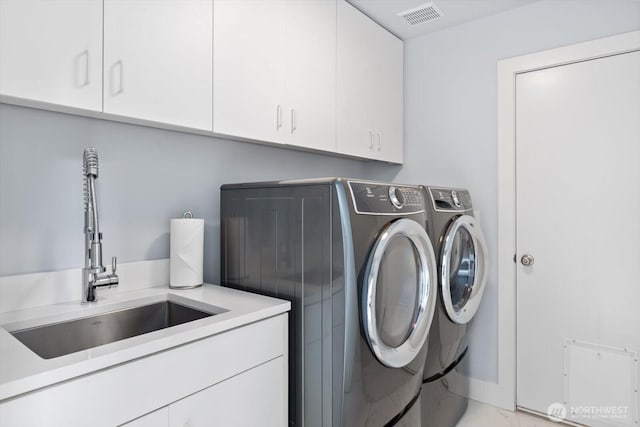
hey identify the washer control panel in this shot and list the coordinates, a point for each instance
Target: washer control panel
(374, 198)
(450, 200)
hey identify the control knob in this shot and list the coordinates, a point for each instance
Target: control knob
(456, 199)
(396, 197)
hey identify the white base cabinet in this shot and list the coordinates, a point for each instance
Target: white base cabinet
(253, 398)
(51, 51)
(157, 418)
(235, 378)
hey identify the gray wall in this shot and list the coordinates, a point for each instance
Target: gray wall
(147, 176)
(451, 114)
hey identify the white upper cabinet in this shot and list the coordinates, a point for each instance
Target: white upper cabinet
(315, 74)
(369, 88)
(355, 94)
(248, 63)
(158, 60)
(387, 75)
(274, 71)
(51, 51)
(311, 73)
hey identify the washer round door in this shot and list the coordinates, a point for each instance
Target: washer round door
(463, 268)
(399, 293)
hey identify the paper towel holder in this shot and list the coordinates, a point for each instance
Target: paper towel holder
(186, 215)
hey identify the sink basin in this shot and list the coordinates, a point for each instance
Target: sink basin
(58, 339)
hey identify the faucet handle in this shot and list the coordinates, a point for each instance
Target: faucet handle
(114, 264)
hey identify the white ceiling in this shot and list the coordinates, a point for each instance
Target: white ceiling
(454, 12)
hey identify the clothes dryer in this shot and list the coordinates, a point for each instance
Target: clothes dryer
(462, 270)
(355, 260)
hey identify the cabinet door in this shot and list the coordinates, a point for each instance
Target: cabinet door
(355, 82)
(158, 418)
(248, 69)
(311, 73)
(369, 88)
(51, 51)
(386, 74)
(257, 397)
(158, 60)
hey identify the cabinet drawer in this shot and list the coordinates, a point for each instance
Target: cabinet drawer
(256, 397)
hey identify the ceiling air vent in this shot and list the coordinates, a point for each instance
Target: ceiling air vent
(419, 15)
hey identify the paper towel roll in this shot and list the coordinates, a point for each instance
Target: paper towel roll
(186, 252)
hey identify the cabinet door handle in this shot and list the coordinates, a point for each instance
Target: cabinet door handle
(84, 55)
(278, 117)
(119, 67)
(293, 120)
(86, 70)
(370, 139)
(379, 140)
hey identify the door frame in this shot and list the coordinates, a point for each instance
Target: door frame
(503, 394)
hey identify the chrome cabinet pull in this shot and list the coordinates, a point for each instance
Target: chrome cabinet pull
(117, 65)
(379, 140)
(80, 69)
(293, 120)
(86, 70)
(370, 139)
(278, 117)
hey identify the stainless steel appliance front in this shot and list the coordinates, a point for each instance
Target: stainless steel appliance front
(356, 262)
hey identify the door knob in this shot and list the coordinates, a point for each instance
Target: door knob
(527, 260)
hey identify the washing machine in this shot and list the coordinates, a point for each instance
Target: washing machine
(355, 260)
(462, 270)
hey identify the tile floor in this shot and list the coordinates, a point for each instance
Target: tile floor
(483, 415)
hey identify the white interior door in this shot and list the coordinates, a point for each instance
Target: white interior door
(578, 217)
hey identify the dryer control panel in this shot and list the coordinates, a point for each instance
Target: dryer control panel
(447, 199)
(384, 199)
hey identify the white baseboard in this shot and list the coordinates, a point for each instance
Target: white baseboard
(41, 289)
(494, 394)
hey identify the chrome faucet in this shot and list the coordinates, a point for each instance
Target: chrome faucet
(93, 273)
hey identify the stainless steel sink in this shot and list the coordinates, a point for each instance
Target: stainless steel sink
(58, 339)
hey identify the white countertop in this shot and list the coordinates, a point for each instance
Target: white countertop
(22, 371)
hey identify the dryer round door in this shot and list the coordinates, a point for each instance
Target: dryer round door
(399, 293)
(463, 268)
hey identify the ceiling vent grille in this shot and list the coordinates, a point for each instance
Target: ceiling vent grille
(419, 15)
